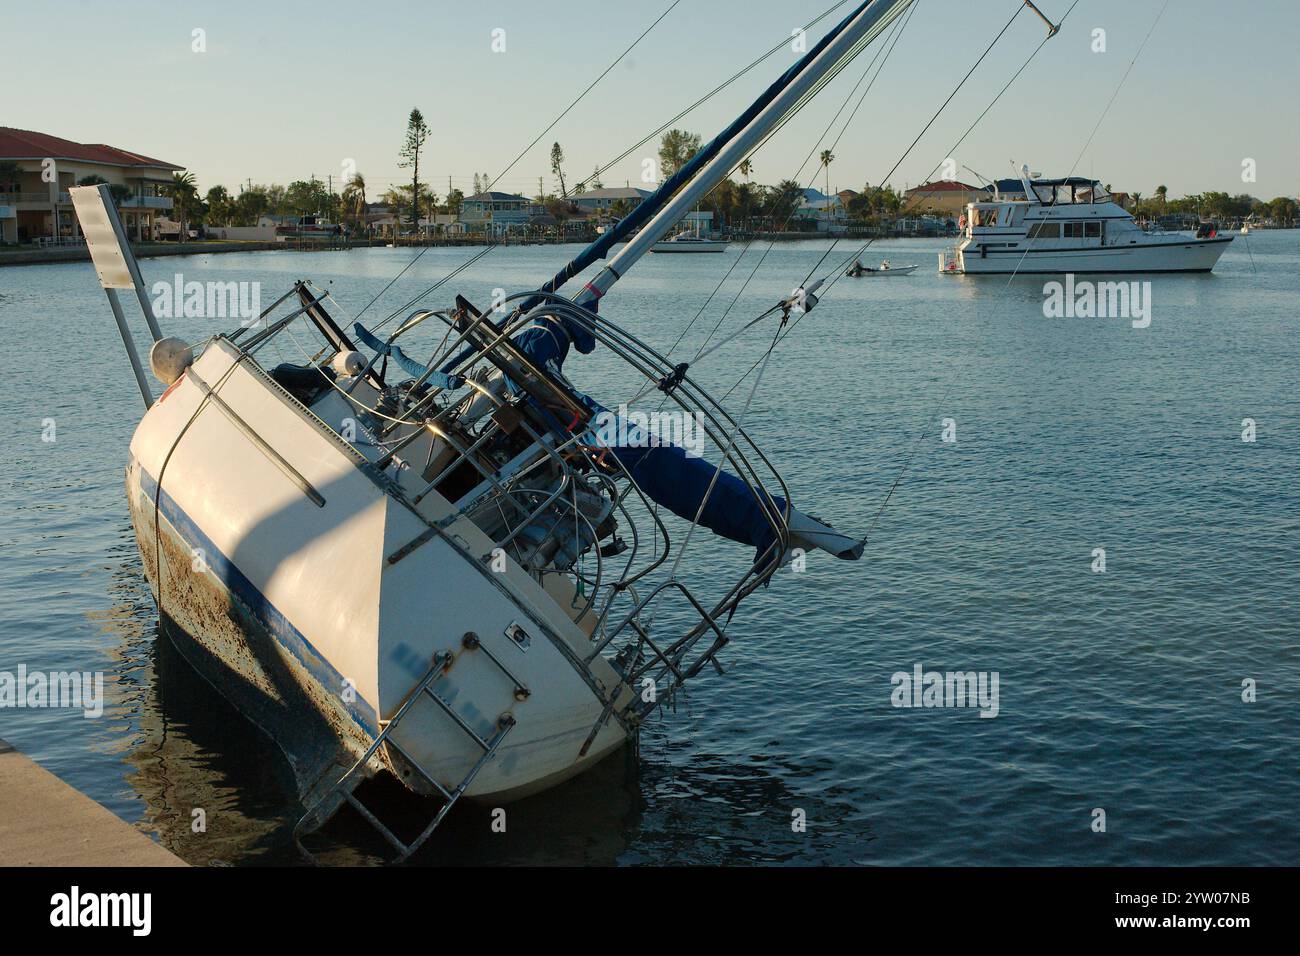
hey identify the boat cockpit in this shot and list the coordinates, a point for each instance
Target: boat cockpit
(490, 430)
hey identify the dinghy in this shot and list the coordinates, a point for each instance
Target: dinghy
(447, 570)
(859, 271)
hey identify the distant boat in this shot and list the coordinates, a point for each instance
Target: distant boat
(308, 227)
(1072, 225)
(859, 271)
(689, 242)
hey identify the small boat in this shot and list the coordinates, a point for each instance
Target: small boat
(859, 271)
(690, 242)
(308, 227)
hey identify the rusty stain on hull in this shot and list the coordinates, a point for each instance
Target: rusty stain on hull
(230, 646)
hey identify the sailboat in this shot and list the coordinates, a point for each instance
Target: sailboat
(446, 571)
(690, 241)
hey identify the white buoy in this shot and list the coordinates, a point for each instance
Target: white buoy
(169, 358)
(348, 362)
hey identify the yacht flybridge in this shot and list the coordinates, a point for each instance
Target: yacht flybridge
(1071, 225)
(446, 570)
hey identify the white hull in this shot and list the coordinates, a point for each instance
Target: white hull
(882, 273)
(1186, 255)
(280, 572)
(690, 245)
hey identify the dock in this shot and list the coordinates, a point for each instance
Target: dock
(45, 822)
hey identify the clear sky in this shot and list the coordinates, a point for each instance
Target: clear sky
(289, 89)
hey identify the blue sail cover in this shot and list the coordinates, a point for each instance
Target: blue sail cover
(409, 365)
(665, 472)
(676, 481)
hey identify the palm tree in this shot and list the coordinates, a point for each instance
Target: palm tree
(1163, 193)
(827, 158)
(745, 200)
(746, 167)
(354, 198)
(183, 190)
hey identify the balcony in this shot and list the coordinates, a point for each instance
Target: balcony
(147, 202)
(41, 200)
(18, 199)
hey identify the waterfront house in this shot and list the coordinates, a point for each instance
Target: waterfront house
(36, 206)
(496, 213)
(600, 200)
(944, 197)
(828, 212)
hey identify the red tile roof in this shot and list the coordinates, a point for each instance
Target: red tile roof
(26, 144)
(944, 185)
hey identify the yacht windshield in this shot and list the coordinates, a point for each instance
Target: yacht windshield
(1053, 192)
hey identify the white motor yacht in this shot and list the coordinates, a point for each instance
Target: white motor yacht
(1071, 225)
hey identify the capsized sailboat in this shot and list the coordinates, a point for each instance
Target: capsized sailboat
(445, 570)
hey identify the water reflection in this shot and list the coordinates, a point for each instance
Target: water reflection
(189, 749)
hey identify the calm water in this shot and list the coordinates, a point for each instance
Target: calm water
(1119, 690)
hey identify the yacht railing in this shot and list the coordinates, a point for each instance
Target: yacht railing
(517, 455)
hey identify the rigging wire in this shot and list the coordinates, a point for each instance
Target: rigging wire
(839, 271)
(708, 96)
(795, 108)
(927, 126)
(512, 163)
(1119, 86)
(781, 335)
(897, 26)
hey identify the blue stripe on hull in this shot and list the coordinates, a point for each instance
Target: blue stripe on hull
(281, 629)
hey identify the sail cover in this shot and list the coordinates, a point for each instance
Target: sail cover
(691, 487)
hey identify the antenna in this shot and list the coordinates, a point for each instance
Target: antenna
(982, 178)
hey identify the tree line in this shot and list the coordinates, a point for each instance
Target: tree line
(734, 204)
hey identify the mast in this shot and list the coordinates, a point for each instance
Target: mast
(811, 67)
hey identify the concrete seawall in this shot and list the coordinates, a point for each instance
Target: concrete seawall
(22, 257)
(45, 822)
